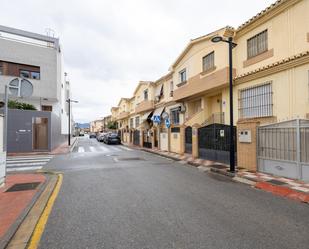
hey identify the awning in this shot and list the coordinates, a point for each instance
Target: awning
(146, 116)
(158, 91)
(158, 111)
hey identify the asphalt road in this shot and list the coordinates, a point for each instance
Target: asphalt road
(116, 198)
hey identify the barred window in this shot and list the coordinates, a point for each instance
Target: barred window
(256, 101)
(257, 44)
(146, 94)
(131, 122)
(136, 122)
(209, 61)
(175, 116)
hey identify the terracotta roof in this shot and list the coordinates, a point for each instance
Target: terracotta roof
(262, 13)
(294, 57)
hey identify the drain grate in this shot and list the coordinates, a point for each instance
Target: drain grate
(23, 187)
(276, 182)
(130, 159)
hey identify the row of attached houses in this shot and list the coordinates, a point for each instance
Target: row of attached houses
(187, 110)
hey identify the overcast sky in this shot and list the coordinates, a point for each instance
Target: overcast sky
(109, 45)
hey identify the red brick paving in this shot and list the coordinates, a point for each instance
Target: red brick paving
(12, 204)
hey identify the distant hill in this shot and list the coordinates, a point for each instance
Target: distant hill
(82, 125)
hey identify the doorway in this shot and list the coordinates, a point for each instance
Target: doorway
(40, 133)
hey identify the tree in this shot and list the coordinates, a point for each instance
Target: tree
(14, 104)
(112, 125)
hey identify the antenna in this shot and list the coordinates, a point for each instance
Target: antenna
(50, 32)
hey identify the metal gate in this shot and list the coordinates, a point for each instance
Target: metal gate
(214, 142)
(283, 149)
(147, 139)
(136, 137)
(188, 140)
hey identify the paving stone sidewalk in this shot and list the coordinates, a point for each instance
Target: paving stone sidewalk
(17, 196)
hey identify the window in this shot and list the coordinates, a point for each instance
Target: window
(24, 74)
(171, 88)
(136, 121)
(257, 44)
(256, 101)
(1, 69)
(47, 108)
(131, 122)
(29, 74)
(183, 76)
(209, 61)
(146, 94)
(175, 116)
(35, 75)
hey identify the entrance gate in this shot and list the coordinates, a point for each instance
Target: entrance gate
(214, 142)
(283, 149)
(136, 137)
(188, 140)
(147, 139)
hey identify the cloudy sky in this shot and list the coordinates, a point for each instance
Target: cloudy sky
(109, 45)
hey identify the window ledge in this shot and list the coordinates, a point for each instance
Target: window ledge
(258, 58)
(210, 70)
(181, 83)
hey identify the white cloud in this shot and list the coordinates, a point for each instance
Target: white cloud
(109, 46)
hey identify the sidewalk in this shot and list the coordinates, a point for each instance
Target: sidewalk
(16, 200)
(61, 149)
(285, 187)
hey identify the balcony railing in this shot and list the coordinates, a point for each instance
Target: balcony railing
(215, 118)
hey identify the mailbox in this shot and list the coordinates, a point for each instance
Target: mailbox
(245, 136)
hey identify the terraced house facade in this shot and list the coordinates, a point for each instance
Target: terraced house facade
(271, 96)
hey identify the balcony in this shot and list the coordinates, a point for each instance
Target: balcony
(145, 105)
(201, 84)
(123, 115)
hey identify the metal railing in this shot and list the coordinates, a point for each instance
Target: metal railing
(215, 118)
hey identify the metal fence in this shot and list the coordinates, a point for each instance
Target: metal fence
(283, 148)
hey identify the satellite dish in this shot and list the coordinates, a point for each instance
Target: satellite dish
(21, 87)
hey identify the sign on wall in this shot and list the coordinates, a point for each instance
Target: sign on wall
(167, 123)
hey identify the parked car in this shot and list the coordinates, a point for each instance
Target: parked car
(112, 138)
(100, 136)
(92, 135)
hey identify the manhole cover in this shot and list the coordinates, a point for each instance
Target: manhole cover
(218, 166)
(23, 186)
(276, 182)
(130, 158)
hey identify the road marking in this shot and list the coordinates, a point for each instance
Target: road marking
(28, 160)
(39, 228)
(8, 169)
(126, 148)
(104, 148)
(92, 149)
(14, 158)
(115, 149)
(81, 149)
(25, 164)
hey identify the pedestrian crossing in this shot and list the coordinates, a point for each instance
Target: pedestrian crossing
(27, 163)
(101, 149)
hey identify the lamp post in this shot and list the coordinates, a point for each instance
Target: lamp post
(232, 142)
(69, 123)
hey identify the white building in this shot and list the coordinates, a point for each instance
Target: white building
(32, 67)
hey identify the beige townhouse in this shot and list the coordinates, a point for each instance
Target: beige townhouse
(271, 96)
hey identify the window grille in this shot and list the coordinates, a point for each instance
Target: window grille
(209, 61)
(183, 76)
(256, 101)
(175, 116)
(257, 44)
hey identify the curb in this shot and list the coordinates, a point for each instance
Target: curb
(73, 145)
(5, 240)
(23, 233)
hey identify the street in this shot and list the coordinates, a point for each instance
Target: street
(116, 197)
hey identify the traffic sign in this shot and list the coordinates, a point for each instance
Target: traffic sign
(167, 123)
(156, 119)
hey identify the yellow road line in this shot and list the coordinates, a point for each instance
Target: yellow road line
(40, 226)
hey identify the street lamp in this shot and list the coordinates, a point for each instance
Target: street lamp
(231, 46)
(69, 102)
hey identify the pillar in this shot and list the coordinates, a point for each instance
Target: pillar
(195, 148)
(182, 139)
